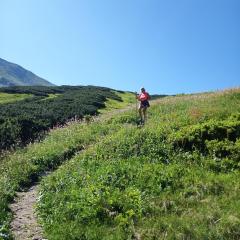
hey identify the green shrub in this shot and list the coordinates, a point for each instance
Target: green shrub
(31, 118)
(195, 137)
(9, 133)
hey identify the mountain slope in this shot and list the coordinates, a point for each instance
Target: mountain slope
(175, 178)
(130, 182)
(12, 74)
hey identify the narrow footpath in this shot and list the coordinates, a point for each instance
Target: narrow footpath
(25, 225)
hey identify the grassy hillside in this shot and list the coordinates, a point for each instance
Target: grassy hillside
(21, 168)
(8, 98)
(176, 178)
(128, 99)
(28, 119)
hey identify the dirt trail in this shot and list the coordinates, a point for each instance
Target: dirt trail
(25, 225)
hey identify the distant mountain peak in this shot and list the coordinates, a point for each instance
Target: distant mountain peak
(12, 74)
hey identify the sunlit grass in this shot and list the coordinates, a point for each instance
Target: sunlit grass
(8, 98)
(129, 181)
(133, 184)
(51, 96)
(111, 104)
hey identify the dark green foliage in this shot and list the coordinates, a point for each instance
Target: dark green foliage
(25, 121)
(9, 133)
(219, 140)
(195, 136)
(157, 96)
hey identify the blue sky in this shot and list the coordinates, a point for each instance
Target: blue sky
(168, 46)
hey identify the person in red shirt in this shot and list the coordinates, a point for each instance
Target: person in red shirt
(143, 97)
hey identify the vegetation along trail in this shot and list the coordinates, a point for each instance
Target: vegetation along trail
(24, 224)
(175, 178)
(124, 182)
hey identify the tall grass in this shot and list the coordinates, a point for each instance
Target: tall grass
(130, 182)
(136, 183)
(21, 168)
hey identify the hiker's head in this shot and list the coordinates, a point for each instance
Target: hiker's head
(142, 89)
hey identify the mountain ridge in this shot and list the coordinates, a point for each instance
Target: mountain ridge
(12, 74)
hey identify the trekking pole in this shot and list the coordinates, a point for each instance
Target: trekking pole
(136, 108)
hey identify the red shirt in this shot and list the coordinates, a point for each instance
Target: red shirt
(143, 96)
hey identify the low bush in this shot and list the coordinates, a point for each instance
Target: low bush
(195, 136)
(24, 121)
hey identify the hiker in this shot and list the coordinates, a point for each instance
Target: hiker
(143, 97)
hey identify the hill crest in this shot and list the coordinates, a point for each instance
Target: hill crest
(12, 74)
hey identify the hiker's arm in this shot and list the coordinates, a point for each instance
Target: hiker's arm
(149, 97)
